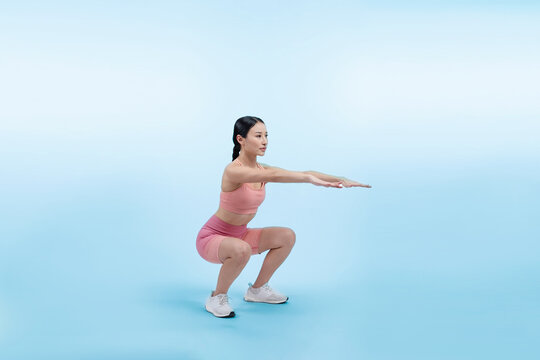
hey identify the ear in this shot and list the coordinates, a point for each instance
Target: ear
(239, 138)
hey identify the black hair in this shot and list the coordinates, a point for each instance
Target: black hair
(241, 127)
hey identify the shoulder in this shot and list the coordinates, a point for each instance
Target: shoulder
(231, 167)
(228, 172)
(233, 164)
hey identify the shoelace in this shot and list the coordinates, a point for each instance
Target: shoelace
(223, 299)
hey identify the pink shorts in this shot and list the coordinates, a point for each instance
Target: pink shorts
(213, 232)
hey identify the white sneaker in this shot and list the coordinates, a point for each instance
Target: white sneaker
(264, 294)
(219, 306)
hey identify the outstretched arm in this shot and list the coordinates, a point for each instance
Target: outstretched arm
(346, 182)
(242, 174)
(318, 178)
(322, 176)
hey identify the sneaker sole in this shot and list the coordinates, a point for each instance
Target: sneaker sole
(267, 302)
(230, 315)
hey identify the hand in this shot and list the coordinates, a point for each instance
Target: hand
(351, 183)
(316, 181)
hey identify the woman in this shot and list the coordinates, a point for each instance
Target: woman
(225, 238)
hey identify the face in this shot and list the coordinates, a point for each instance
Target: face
(256, 140)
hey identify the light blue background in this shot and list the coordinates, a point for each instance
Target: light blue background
(116, 124)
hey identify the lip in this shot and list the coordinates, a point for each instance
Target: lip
(263, 149)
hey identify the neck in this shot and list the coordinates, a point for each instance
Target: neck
(248, 160)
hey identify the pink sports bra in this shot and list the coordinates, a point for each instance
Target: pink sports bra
(245, 199)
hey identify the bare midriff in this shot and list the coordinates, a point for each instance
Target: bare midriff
(234, 218)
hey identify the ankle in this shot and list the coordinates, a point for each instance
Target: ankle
(215, 292)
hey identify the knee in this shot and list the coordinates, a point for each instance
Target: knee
(289, 237)
(241, 252)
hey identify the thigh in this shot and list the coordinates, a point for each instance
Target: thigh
(208, 247)
(232, 247)
(273, 237)
(252, 238)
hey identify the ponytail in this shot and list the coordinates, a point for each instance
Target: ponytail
(236, 150)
